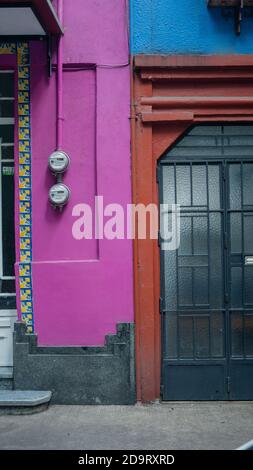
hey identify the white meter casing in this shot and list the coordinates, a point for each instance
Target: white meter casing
(59, 195)
(58, 162)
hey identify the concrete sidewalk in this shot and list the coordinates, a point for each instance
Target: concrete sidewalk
(167, 426)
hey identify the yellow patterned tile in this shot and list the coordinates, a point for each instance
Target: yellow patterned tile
(27, 305)
(25, 219)
(7, 48)
(22, 47)
(25, 231)
(23, 97)
(23, 308)
(24, 270)
(23, 72)
(24, 109)
(24, 121)
(24, 146)
(24, 158)
(24, 133)
(23, 84)
(24, 194)
(24, 170)
(25, 282)
(23, 53)
(25, 256)
(24, 182)
(25, 244)
(25, 294)
(24, 206)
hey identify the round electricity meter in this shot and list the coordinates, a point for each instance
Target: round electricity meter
(58, 162)
(59, 195)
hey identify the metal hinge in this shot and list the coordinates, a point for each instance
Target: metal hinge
(226, 298)
(228, 384)
(161, 390)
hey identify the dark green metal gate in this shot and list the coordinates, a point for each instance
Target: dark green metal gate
(207, 284)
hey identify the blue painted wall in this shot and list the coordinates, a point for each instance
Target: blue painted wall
(185, 27)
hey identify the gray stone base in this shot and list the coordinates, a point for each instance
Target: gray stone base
(78, 375)
(6, 384)
(23, 410)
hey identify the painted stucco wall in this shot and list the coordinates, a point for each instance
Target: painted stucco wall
(82, 289)
(185, 27)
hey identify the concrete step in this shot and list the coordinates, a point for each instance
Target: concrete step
(23, 402)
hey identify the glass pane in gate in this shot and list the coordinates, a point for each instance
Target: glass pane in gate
(241, 258)
(193, 291)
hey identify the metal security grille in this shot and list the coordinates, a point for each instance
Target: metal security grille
(7, 243)
(207, 284)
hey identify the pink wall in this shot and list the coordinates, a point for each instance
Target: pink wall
(82, 289)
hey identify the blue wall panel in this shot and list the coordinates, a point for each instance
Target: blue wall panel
(185, 27)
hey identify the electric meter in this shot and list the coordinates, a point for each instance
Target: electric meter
(59, 195)
(58, 162)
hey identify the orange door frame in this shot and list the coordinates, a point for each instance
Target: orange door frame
(170, 94)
